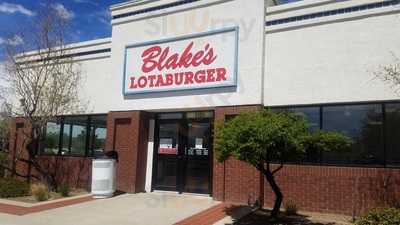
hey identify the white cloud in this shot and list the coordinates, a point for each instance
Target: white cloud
(16, 40)
(63, 12)
(2, 68)
(104, 17)
(86, 2)
(2, 75)
(5, 90)
(6, 7)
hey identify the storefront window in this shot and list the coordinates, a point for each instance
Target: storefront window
(78, 135)
(392, 131)
(98, 133)
(66, 137)
(362, 123)
(52, 138)
(312, 115)
(76, 140)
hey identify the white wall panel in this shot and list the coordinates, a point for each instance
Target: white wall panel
(331, 62)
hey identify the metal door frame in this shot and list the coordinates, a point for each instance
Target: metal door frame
(182, 144)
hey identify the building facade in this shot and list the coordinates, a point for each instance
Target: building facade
(172, 69)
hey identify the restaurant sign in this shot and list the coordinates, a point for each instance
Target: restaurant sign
(205, 60)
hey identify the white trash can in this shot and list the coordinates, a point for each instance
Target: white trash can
(103, 178)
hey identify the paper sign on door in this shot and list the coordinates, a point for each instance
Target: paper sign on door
(199, 142)
(166, 147)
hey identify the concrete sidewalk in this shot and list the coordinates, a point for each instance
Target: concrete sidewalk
(127, 209)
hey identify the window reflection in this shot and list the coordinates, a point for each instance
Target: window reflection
(98, 134)
(392, 114)
(362, 123)
(52, 137)
(66, 139)
(75, 137)
(312, 115)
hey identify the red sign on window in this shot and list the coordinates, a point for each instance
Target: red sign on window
(168, 151)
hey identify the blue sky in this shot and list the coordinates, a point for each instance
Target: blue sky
(90, 19)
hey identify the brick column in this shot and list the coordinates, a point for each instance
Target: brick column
(127, 133)
(17, 146)
(233, 180)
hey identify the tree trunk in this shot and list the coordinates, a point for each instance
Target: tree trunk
(277, 191)
(30, 147)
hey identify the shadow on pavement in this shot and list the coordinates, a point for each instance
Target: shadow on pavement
(262, 217)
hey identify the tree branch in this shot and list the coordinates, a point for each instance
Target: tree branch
(277, 169)
(18, 174)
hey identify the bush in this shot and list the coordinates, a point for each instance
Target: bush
(380, 216)
(10, 188)
(3, 161)
(64, 190)
(40, 192)
(291, 208)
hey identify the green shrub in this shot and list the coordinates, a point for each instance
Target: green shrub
(64, 190)
(40, 192)
(10, 187)
(380, 216)
(291, 208)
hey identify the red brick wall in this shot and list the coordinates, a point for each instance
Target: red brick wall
(122, 135)
(16, 147)
(345, 190)
(315, 188)
(76, 171)
(124, 130)
(233, 180)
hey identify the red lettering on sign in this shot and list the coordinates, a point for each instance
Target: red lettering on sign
(189, 78)
(181, 78)
(157, 58)
(200, 76)
(191, 66)
(151, 79)
(221, 74)
(210, 75)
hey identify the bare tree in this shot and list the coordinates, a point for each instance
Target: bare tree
(5, 119)
(44, 81)
(390, 74)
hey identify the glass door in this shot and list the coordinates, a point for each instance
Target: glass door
(166, 156)
(197, 158)
(182, 153)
